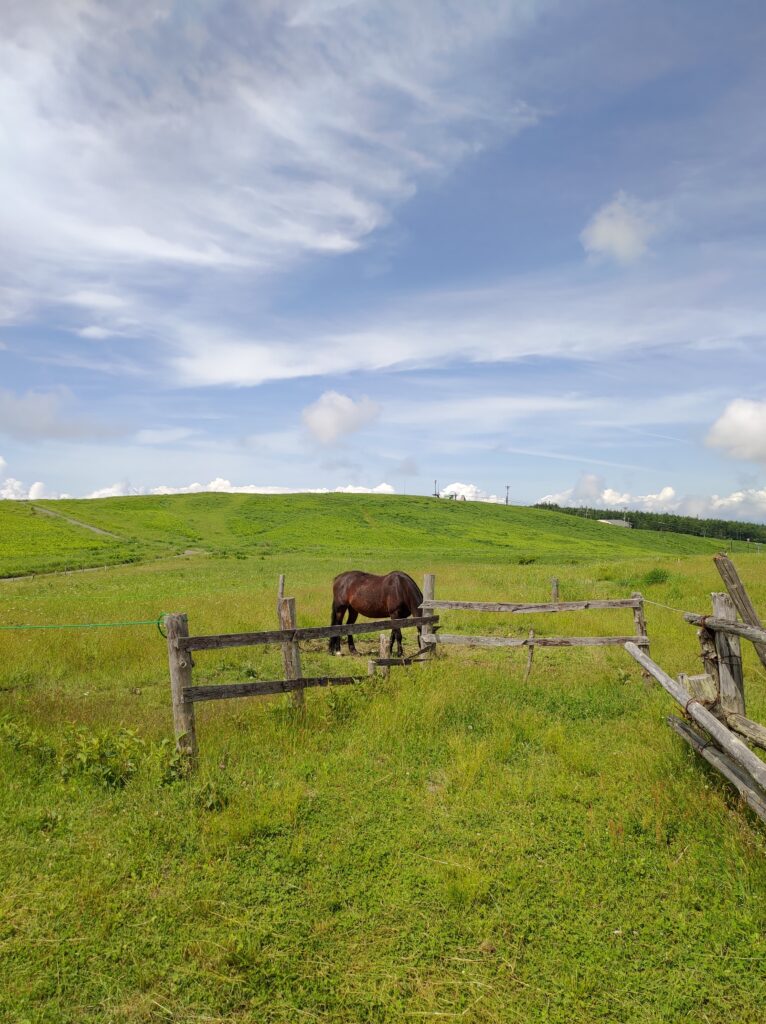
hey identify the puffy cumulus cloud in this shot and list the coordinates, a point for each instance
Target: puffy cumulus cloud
(14, 490)
(590, 491)
(353, 489)
(741, 430)
(333, 415)
(220, 485)
(468, 492)
(745, 504)
(749, 503)
(620, 230)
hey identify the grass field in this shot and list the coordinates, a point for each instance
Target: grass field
(232, 526)
(447, 844)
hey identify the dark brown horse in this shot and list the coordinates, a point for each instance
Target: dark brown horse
(395, 596)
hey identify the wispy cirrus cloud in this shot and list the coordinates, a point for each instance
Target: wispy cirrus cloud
(566, 315)
(224, 138)
(35, 415)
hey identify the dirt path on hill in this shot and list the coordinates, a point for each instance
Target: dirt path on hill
(75, 522)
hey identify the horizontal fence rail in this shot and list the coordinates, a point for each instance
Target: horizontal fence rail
(185, 694)
(514, 609)
(634, 603)
(281, 636)
(535, 641)
(223, 691)
(712, 622)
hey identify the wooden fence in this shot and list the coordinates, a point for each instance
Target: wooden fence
(181, 645)
(714, 701)
(635, 603)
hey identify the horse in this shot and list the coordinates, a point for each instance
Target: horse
(395, 596)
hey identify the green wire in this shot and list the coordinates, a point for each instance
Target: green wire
(94, 625)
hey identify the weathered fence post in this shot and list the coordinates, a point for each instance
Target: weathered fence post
(554, 589)
(384, 652)
(639, 619)
(429, 588)
(731, 687)
(741, 598)
(530, 655)
(280, 590)
(291, 652)
(180, 663)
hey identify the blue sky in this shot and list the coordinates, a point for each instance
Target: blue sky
(317, 244)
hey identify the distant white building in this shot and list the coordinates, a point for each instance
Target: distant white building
(615, 522)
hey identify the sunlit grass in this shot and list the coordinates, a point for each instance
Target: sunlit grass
(450, 843)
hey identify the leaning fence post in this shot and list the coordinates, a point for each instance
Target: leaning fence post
(731, 686)
(429, 588)
(291, 652)
(180, 663)
(740, 597)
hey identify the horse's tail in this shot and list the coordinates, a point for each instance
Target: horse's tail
(414, 595)
(416, 600)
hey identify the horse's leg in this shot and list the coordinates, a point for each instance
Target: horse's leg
(396, 635)
(351, 618)
(336, 620)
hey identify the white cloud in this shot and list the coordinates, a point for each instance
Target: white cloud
(468, 492)
(746, 504)
(568, 315)
(41, 414)
(37, 491)
(312, 120)
(621, 230)
(220, 485)
(168, 435)
(101, 301)
(334, 416)
(353, 489)
(14, 490)
(741, 430)
(590, 490)
(3, 464)
(94, 333)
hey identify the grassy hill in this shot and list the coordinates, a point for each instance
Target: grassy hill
(452, 843)
(359, 525)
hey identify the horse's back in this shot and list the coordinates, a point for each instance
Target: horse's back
(372, 595)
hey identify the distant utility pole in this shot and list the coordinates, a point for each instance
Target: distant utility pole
(436, 490)
(507, 488)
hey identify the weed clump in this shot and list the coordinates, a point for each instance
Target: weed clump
(110, 758)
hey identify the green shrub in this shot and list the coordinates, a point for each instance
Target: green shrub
(110, 758)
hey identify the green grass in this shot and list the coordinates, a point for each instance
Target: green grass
(35, 542)
(227, 525)
(447, 844)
